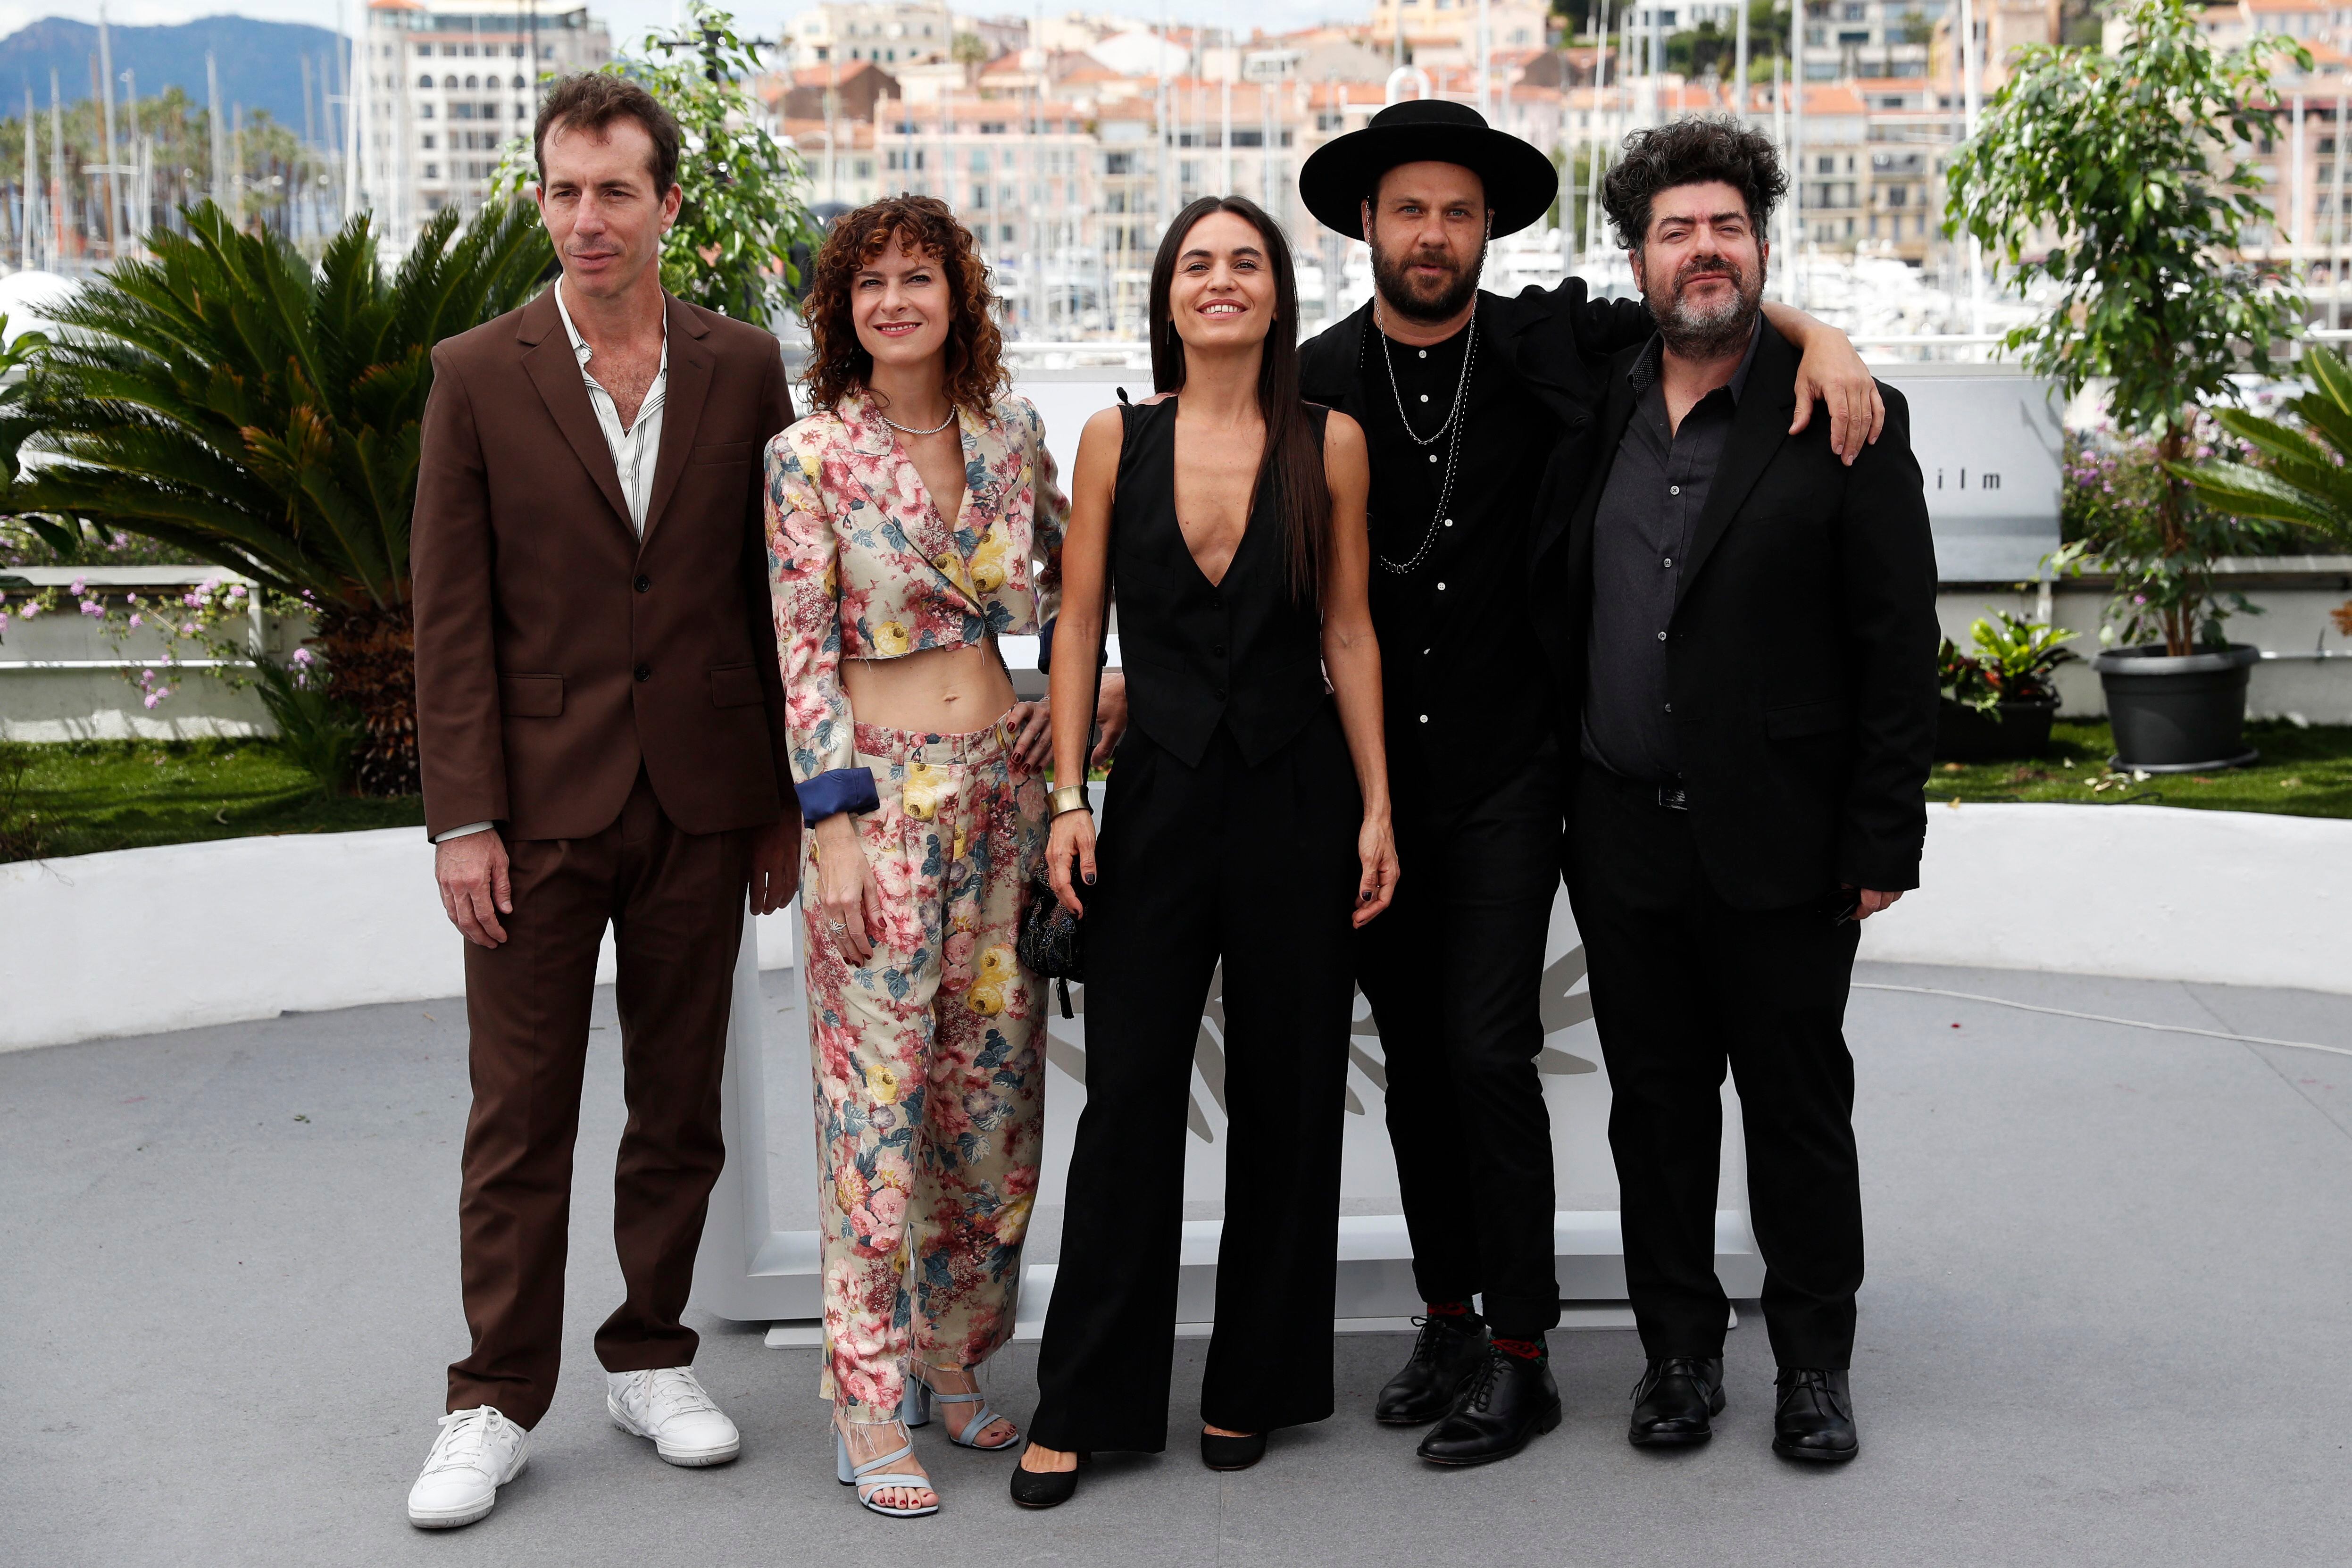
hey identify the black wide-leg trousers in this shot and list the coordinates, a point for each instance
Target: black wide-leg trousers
(1257, 867)
(1684, 985)
(1453, 971)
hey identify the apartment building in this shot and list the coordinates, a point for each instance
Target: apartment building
(887, 32)
(1445, 32)
(1831, 175)
(444, 89)
(1846, 39)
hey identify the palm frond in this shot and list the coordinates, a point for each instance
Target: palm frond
(2303, 476)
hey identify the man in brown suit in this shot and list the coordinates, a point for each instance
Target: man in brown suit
(600, 719)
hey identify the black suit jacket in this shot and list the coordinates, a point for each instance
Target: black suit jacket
(1801, 654)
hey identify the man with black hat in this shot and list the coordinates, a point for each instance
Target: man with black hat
(1468, 397)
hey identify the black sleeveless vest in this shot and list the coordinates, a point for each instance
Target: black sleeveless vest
(1241, 652)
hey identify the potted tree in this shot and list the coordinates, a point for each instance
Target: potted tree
(2115, 180)
(1999, 701)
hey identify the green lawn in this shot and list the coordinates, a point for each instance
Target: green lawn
(2303, 772)
(81, 797)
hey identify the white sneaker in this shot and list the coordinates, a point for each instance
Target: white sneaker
(668, 1405)
(479, 1451)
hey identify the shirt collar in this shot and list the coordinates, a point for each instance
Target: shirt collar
(1647, 363)
(580, 349)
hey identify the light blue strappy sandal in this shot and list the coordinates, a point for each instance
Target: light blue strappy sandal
(921, 1396)
(868, 1482)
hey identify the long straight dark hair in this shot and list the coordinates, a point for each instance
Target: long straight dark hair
(1291, 468)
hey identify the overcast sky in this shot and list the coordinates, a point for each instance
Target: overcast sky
(629, 18)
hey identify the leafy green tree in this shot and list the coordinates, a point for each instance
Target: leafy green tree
(229, 399)
(2118, 181)
(743, 208)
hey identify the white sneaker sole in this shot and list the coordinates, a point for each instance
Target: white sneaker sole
(452, 1518)
(684, 1459)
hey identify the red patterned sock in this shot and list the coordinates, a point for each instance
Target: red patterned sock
(1525, 1349)
(1447, 1308)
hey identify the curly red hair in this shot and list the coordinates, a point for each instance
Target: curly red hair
(838, 363)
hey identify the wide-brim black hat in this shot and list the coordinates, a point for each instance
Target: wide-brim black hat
(1520, 180)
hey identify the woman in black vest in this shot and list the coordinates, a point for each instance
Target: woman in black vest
(1248, 821)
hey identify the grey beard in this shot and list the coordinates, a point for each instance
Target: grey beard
(1710, 334)
(1388, 277)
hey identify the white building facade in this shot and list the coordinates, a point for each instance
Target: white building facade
(444, 89)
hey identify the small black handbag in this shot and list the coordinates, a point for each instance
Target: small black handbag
(1053, 942)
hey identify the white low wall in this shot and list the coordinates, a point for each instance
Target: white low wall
(2145, 891)
(147, 940)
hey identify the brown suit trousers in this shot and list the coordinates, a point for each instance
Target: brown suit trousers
(675, 902)
(614, 704)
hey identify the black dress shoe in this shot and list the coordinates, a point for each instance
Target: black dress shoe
(1508, 1401)
(1815, 1418)
(1447, 1352)
(1673, 1401)
(1045, 1488)
(1221, 1453)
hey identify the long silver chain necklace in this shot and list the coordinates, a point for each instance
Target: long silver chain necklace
(1454, 421)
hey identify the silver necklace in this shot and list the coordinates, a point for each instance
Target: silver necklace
(934, 430)
(1469, 351)
(1454, 422)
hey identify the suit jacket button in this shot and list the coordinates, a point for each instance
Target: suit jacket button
(645, 672)
(645, 585)
(1219, 694)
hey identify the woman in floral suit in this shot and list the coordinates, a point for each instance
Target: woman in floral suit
(913, 520)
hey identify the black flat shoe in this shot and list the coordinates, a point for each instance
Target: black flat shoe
(1444, 1354)
(1232, 1453)
(1814, 1421)
(1509, 1401)
(1046, 1488)
(1673, 1401)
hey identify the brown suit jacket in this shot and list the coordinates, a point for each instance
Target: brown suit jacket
(555, 652)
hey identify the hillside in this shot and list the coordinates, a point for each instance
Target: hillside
(260, 63)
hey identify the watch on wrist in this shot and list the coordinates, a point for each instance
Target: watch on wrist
(1069, 797)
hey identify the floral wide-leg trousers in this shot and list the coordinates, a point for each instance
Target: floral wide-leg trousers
(929, 1063)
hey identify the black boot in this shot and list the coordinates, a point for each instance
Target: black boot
(1674, 1400)
(1508, 1400)
(1815, 1418)
(1449, 1346)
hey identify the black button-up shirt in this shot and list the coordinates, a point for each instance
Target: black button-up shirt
(1465, 680)
(1657, 488)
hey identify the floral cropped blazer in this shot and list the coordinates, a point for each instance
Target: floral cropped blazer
(861, 565)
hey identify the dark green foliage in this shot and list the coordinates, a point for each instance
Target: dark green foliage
(226, 399)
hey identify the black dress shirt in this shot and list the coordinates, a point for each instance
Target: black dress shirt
(1656, 489)
(1467, 686)
(1469, 694)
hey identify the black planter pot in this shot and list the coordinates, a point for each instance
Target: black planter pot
(2011, 732)
(2175, 714)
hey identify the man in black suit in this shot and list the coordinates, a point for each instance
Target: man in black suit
(1747, 661)
(1464, 396)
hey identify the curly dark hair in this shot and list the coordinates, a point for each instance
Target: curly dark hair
(839, 364)
(1692, 152)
